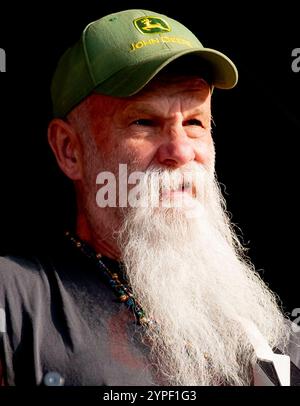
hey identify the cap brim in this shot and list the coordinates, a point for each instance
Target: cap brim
(132, 79)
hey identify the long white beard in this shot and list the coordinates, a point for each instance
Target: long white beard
(190, 275)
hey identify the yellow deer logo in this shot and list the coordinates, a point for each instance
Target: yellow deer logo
(148, 25)
(151, 25)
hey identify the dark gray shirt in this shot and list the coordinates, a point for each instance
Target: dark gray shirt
(62, 317)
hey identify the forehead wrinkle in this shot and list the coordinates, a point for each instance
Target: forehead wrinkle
(174, 106)
(146, 108)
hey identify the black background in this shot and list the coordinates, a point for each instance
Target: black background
(256, 133)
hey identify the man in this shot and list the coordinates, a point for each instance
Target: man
(153, 286)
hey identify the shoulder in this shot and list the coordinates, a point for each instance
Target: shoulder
(18, 270)
(20, 290)
(17, 263)
(293, 348)
(21, 282)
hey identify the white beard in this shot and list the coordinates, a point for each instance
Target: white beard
(189, 274)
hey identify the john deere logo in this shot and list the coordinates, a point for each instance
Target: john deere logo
(151, 25)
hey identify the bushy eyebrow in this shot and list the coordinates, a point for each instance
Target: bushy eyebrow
(151, 110)
(142, 108)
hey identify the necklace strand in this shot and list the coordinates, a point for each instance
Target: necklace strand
(116, 282)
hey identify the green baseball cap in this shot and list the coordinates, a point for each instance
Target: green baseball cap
(120, 53)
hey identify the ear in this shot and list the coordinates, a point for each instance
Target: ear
(65, 144)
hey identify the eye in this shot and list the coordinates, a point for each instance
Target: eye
(144, 122)
(193, 121)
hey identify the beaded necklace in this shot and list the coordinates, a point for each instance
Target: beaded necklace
(116, 282)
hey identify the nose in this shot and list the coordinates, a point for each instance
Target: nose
(177, 149)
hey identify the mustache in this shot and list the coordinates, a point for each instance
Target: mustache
(188, 179)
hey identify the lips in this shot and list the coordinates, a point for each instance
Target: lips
(186, 187)
(189, 188)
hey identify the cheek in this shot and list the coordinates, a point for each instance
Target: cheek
(205, 152)
(136, 152)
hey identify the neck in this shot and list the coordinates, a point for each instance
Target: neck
(103, 244)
